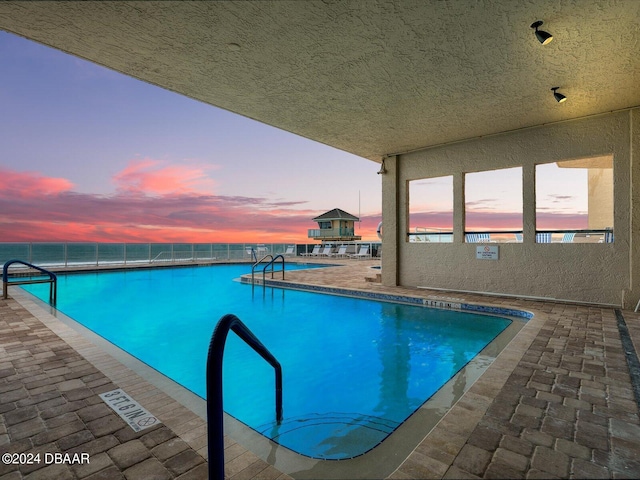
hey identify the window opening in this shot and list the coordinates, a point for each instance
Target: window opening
(574, 201)
(431, 210)
(493, 206)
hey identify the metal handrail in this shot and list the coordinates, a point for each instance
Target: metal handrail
(271, 263)
(258, 262)
(52, 280)
(215, 427)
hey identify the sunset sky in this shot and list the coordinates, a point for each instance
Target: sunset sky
(88, 154)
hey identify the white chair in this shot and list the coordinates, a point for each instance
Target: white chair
(314, 253)
(342, 252)
(544, 237)
(363, 253)
(291, 250)
(477, 238)
(326, 251)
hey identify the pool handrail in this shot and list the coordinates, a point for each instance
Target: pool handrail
(255, 265)
(215, 426)
(271, 263)
(52, 280)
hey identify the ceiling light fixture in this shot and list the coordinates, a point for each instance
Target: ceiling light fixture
(558, 96)
(542, 36)
(382, 168)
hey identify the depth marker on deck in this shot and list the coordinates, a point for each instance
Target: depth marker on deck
(129, 410)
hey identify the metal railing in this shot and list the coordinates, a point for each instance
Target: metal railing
(330, 232)
(52, 280)
(271, 264)
(428, 235)
(215, 418)
(82, 254)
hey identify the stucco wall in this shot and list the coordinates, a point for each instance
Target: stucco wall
(599, 273)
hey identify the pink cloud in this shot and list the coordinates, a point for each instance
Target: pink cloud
(152, 178)
(31, 184)
(495, 221)
(50, 211)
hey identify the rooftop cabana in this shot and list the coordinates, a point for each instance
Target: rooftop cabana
(335, 225)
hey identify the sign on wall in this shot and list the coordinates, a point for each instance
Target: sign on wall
(487, 252)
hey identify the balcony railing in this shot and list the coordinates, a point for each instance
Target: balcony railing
(330, 232)
(96, 254)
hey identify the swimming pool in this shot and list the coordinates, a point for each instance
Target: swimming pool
(354, 369)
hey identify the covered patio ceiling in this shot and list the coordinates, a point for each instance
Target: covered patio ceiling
(371, 77)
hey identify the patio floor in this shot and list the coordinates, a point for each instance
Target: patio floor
(558, 402)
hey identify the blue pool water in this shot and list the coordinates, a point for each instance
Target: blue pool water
(353, 369)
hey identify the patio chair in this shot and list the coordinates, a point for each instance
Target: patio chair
(342, 252)
(477, 238)
(314, 253)
(544, 237)
(608, 236)
(568, 237)
(251, 253)
(363, 253)
(326, 251)
(291, 250)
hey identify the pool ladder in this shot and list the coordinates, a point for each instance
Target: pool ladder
(52, 280)
(215, 427)
(264, 270)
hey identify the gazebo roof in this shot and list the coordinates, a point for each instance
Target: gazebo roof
(336, 214)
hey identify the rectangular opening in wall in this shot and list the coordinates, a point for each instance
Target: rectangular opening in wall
(431, 210)
(493, 206)
(574, 201)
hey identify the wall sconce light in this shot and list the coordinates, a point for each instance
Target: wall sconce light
(542, 36)
(558, 96)
(382, 168)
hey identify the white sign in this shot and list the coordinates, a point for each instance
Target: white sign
(487, 252)
(129, 410)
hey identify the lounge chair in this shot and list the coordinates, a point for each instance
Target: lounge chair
(544, 237)
(291, 250)
(314, 253)
(342, 252)
(251, 253)
(608, 236)
(363, 253)
(326, 251)
(477, 238)
(568, 237)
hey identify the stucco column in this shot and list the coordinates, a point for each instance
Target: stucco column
(529, 204)
(458, 207)
(631, 299)
(391, 235)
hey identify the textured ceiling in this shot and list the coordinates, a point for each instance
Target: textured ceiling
(368, 77)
